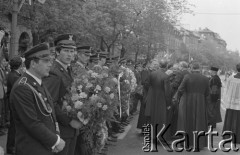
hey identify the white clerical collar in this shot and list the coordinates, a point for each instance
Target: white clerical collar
(62, 64)
(39, 81)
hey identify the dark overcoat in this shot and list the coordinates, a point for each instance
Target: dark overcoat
(192, 113)
(145, 83)
(35, 128)
(13, 76)
(57, 84)
(215, 101)
(158, 98)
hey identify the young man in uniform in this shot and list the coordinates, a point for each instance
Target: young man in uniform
(58, 82)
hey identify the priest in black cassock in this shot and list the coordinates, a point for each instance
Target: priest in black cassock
(194, 97)
(158, 98)
(215, 98)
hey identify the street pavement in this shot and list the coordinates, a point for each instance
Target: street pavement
(131, 143)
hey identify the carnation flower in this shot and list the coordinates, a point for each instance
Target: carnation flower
(65, 104)
(73, 89)
(115, 80)
(89, 85)
(94, 75)
(85, 121)
(98, 88)
(126, 81)
(85, 80)
(83, 95)
(78, 105)
(107, 89)
(69, 108)
(99, 105)
(90, 72)
(80, 87)
(80, 116)
(75, 97)
(105, 67)
(94, 98)
(111, 95)
(105, 75)
(104, 107)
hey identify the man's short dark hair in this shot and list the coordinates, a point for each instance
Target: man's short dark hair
(15, 63)
(28, 62)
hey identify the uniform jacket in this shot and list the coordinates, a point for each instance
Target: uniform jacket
(2, 83)
(35, 128)
(13, 76)
(57, 84)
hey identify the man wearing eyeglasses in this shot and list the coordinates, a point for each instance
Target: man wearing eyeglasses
(58, 82)
(32, 107)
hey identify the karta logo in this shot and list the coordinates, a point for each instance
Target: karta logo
(150, 142)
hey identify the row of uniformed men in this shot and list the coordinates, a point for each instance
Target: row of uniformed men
(36, 100)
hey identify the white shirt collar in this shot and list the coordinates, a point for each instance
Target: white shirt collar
(39, 81)
(63, 65)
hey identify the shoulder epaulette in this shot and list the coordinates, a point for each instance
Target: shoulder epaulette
(23, 81)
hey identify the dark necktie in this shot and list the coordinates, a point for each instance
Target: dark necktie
(69, 70)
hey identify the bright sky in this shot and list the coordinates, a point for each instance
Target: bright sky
(220, 16)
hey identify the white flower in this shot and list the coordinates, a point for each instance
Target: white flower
(126, 81)
(75, 97)
(80, 116)
(89, 85)
(104, 107)
(90, 72)
(93, 98)
(73, 89)
(105, 75)
(98, 88)
(85, 80)
(83, 95)
(94, 75)
(78, 105)
(99, 105)
(65, 104)
(107, 89)
(69, 108)
(80, 87)
(115, 80)
(86, 121)
(112, 96)
(105, 67)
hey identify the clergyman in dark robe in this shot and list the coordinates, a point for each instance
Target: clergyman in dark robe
(192, 114)
(215, 98)
(158, 99)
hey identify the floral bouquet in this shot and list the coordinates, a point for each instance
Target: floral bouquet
(93, 100)
(127, 85)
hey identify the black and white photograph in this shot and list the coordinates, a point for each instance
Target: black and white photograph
(119, 77)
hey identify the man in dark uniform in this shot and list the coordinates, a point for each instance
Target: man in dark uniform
(15, 65)
(58, 82)
(215, 98)
(80, 67)
(33, 113)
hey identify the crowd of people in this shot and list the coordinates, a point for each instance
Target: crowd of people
(186, 98)
(32, 105)
(34, 85)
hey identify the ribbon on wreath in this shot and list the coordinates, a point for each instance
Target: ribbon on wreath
(119, 94)
(128, 105)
